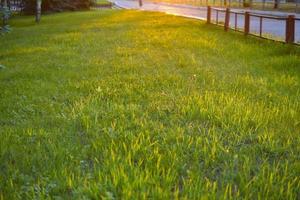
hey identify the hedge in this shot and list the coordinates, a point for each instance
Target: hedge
(56, 5)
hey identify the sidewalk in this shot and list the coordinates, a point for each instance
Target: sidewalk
(273, 28)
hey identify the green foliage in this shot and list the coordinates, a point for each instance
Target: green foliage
(5, 29)
(119, 104)
(56, 5)
(101, 2)
(4, 16)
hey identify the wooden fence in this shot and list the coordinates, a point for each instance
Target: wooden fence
(289, 22)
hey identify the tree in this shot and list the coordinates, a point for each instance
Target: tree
(56, 5)
(276, 3)
(4, 15)
(38, 11)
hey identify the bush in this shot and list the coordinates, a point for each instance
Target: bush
(4, 16)
(56, 5)
(247, 3)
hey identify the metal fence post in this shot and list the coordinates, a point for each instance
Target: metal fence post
(227, 18)
(247, 23)
(208, 18)
(290, 29)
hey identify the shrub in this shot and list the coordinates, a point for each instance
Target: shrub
(4, 16)
(56, 5)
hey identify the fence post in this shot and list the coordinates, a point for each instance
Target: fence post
(140, 3)
(208, 15)
(227, 18)
(247, 23)
(290, 29)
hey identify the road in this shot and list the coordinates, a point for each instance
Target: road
(271, 28)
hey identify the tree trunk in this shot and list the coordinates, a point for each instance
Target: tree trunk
(38, 11)
(276, 4)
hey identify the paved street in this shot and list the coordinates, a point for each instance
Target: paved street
(272, 28)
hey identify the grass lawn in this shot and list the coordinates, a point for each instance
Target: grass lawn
(139, 105)
(102, 2)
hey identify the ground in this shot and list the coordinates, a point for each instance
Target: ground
(102, 2)
(272, 29)
(137, 105)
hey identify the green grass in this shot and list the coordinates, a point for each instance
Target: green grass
(102, 2)
(139, 105)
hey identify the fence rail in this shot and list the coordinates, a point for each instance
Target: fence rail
(214, 15)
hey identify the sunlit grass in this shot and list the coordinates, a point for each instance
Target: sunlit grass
(140, 105)
(102, 2)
